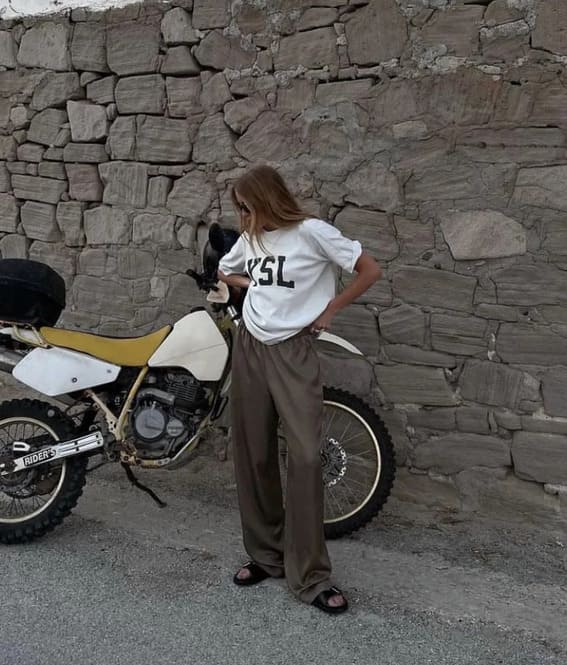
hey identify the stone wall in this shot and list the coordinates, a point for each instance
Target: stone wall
(432, 130)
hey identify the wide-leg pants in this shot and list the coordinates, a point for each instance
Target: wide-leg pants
(270, 383)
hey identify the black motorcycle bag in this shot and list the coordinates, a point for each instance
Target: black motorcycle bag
(31, 293)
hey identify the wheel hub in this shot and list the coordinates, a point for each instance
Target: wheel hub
(334, 460)
(16, 484)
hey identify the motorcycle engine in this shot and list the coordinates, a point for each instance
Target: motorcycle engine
(167, 412)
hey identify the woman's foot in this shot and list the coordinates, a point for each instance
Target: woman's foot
(249, 574)
(331, 601)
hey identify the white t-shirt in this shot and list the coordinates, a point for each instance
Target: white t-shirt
(292, 276)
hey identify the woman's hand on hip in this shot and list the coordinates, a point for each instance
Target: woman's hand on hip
(324, 320)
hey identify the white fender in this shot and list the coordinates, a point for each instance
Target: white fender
(197, 345)
(336, 341)
(56, 371)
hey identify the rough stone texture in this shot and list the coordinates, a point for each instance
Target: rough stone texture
(45, 127)
(191, 196)
(14, 247)
(46, 45)
(531, 344)
(106, 225)
(413, 355)
(158, 190)
(219, 51)
(88, 48)
(550, 32)
(554, 387)
(209, 14)
(415, 385)
(359, 327)
(8, 50)
(177, 28)
(52, 170)
(271, 137)
(101, 91)
(482, 234)
(162, 140)
(5, 184)
(312, 49)
(461, 335)
(179, 61)
(374, 186)
(9, 213)
(455, 29)
(436, 288)
(122, 138)
(140, 94)
(215, 93)
(531, 285)
(84, 182)
(38, 220)
(214, 142)
(403, 324)
(543, 187)
(472, 419)
(133, 48)
(456, 452)
(490, 383)
(436, 419)
(30, 152)
(240, 114)
(183, 96)
(56, 90)
(88, 121)
(135, 263)
(156, 229)
(38, 189)
(69, 217)
(7, 147)
(540, 457)
(434, 134)
(376, 33)
(91, 153)
(124, 183)
(373, 229)
(524, 145)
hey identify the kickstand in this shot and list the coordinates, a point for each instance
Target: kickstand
(132, 478)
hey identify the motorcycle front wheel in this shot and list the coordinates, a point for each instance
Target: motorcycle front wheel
(358, 462)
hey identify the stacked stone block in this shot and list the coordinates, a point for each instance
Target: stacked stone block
(434, 131)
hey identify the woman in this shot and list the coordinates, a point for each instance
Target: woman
(286, 261)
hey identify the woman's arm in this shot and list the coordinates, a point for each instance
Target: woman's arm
(241, 281)
(367, 272)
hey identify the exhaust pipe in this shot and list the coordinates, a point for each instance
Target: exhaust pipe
(8, 360)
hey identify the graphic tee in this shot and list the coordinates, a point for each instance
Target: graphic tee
(292, 276)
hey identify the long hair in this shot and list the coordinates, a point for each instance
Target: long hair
(271, 202)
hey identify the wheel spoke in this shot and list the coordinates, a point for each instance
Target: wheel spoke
(19, 497)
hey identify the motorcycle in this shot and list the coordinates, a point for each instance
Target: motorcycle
(147, 402)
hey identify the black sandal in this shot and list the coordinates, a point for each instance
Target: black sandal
(257, 574)
(321, 602)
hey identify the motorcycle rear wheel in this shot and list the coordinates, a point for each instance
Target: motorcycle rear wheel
(36, 500)
(358, 462)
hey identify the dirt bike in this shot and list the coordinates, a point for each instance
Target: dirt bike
(147, 402)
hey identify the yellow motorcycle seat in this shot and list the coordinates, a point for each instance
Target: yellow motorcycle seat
(123, 351)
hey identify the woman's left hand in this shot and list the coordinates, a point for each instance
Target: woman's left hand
(323, 321)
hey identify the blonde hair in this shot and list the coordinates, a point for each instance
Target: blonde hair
(271, 203)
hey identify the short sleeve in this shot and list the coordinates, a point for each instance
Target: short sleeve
(235, 261)
(333, 245)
